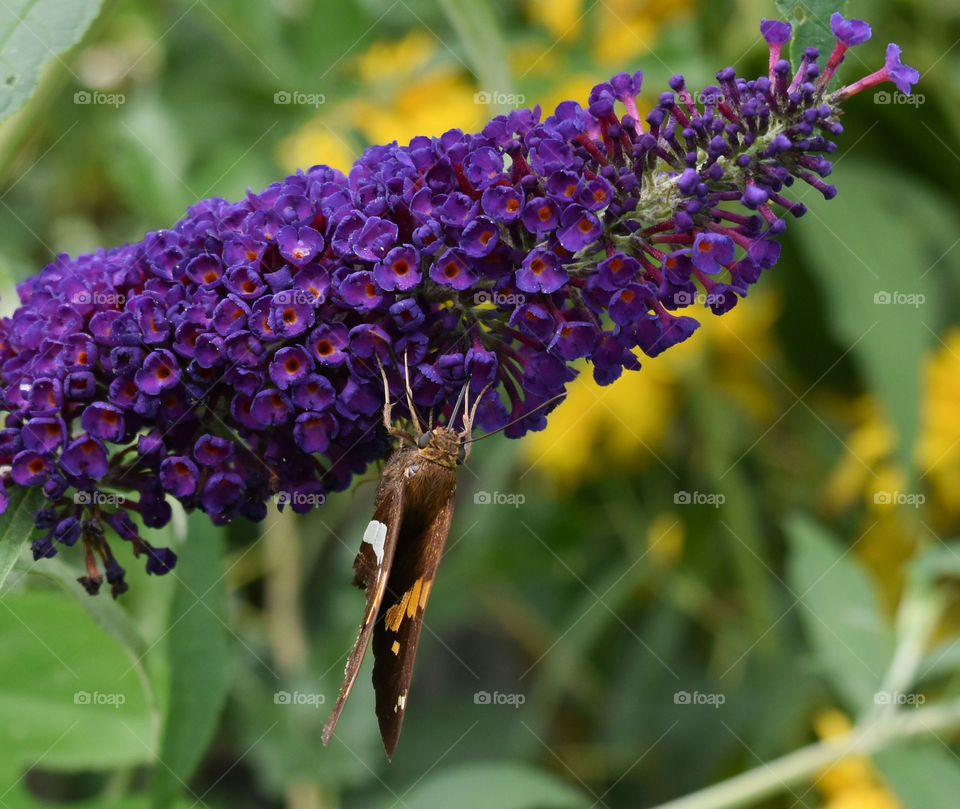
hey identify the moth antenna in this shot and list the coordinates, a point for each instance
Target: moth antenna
(406, 381)
(456, 407)
(476, 406)
(469, 415)
(520, 418)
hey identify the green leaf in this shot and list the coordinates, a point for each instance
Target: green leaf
(476, 26)
(925, 775)
(198, 659)
(68, 694)
(32, 33)
(505, 785)
(838, 607)
(811, 25)
(16, 526)
(869, 265)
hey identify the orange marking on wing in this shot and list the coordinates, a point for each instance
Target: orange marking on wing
(425, 593)
(413, 598)
(396, 647)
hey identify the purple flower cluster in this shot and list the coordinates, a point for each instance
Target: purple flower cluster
(238, 355)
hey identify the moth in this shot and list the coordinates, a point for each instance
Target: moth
(398, 559)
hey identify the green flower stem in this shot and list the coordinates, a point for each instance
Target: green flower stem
(802, 765)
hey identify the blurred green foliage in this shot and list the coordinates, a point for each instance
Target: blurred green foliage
(604, 643)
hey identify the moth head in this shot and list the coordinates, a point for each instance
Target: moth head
(443, 446)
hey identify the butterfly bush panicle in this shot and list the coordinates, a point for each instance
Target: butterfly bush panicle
(238, 355)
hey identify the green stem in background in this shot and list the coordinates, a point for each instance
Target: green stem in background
(476, 26)
(802, 765)
(740, 529)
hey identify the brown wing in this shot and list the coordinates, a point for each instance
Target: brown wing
(428, 512)
(371, 570)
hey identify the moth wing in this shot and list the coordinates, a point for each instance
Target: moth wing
(371, 568)
(397, 631)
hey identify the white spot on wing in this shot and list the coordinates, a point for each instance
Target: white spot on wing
(376, 535)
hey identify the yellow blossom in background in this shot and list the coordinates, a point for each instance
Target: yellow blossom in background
(430, 105)
(560, 17)
(852, 782)
(597, 428)
(870, 444)
(409, 92)
(626, 28)
(666, 535)
(316, 143)
(939, 445)
(396, 60)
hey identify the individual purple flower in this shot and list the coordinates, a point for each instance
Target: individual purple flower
(327, 343)
(160, 561)
(31, 468)
(849, 32)
(480, 237)
(314, 392)
(270, 408)
(84, 458)
(375, 238)
(43, 435)
(312, 431)
(502, 203)
(104, 421)
(160, 372)
(540, 215)
(212, 450)
(299, 245)
(179, 475)
(289, 314)
(67, 531)
(711, 251)
(579, 228)
(541, 271)
(289, 366)
(454, 269)
(360, 290)
(399, 270)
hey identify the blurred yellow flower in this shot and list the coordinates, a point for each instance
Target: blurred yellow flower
(315, 143)
(852, 782)
(939, 446)
(408, 93)
(666, 535)
(598, 429)
(560, 17)
(626, 28)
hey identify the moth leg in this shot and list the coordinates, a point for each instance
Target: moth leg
(406, 380)
(387, 408)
